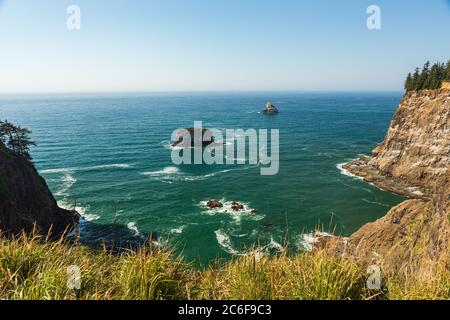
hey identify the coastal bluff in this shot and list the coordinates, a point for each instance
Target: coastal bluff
(414, 161)
(26, 201)
(415, 153)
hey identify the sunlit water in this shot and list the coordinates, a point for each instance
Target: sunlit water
(110, 155)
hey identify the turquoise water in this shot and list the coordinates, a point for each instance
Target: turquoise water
(110, 155)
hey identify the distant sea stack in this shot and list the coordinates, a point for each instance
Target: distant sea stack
(270, 109)
(26, 201)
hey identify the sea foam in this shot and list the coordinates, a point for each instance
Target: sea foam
(132, 226)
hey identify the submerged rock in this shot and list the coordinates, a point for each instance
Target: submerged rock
(270, 109)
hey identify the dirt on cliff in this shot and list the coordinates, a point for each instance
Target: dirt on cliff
(26, 201)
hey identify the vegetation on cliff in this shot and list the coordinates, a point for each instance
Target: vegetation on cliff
(16, 138)
(25, 199)
(411, 242)
(428, 77)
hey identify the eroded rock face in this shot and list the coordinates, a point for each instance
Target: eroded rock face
(25, 199)
(413, 160)
(416, 150)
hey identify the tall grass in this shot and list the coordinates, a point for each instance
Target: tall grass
(32, 267)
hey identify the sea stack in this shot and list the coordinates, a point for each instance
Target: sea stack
(270, 109)
(198, 137)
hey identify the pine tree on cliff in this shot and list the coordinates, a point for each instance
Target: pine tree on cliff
(409, 82)
(440, 74)
(16, 138)
(415, 85)
(447, 72)
(432, 81)
(423, 76)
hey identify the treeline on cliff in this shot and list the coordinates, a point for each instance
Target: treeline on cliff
(429, 77)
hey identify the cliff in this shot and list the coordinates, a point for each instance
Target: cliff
(25, 199)
(416, 151)
(413, 160)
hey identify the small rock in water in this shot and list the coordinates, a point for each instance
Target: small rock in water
(236, 206)
(270, 109)
(214, 204)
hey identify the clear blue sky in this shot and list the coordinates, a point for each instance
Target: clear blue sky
(203, 45)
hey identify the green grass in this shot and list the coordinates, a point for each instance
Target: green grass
(31, 267)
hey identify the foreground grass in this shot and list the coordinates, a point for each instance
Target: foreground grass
(32, 267)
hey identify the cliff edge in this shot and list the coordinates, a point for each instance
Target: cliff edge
(26, 201)
(413, 160)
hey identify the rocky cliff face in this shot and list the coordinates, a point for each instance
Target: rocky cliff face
(413, 160)
(416, 151)
(25, 199)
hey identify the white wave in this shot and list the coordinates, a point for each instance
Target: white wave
(81, 210)
(178, 230)
(375, 202)
(170, 174)
(247, 211)
(275, 245)
(59, 170)
(166, 144)
(67, 182)
(206, 176)
(225, 242)
(132, 226)
(164, 172)
(345, 172)
(307, 240)
(72, 169)
(108, 166)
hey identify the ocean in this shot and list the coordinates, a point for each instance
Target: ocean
(110, 156)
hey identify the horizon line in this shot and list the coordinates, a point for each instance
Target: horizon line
(27, 93)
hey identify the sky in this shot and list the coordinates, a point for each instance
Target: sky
(217, 45)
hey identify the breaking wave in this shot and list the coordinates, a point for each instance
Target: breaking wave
(340, 167)
(224, 241)
(81, 210)
(132, 226)
(247, 211)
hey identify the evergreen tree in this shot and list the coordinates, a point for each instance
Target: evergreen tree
(447, 72)
(415, 85)
(16, 138)
(428, 78)
(423, 76)
(432, 81)
(440, 74)
(409, 82)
